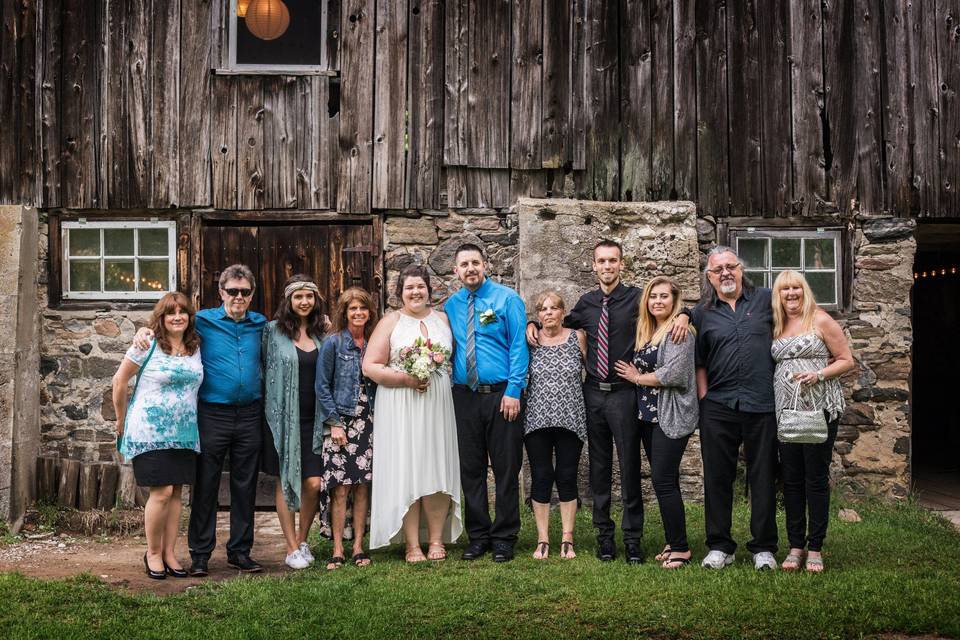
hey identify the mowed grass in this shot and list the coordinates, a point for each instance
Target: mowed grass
(897, 571)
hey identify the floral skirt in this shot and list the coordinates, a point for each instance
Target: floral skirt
(350, 464)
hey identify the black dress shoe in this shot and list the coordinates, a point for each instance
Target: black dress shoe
(633, 553)
(199, 567)
(156, 575)
(176, 573)
(502, 552)
(475, 550)
(606, 551)
(244, 563)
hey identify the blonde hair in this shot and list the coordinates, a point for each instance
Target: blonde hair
(790, 278)
(542, 298)
(647, 330)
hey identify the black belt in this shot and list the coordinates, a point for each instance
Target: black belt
(483, 388)
(607, 386)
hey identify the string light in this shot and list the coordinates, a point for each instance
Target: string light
(935, 272)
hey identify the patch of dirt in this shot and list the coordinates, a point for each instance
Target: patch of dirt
(118, 561)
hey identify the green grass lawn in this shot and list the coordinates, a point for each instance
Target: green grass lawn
(896, 571)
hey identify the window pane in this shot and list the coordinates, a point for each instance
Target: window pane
(154, 275)
(84, 274)
(295, 44)
(786, 252)
(118, 275)
(822, 285)
(154, 242)
(85, 242)
(758, 278)
(819, 253)
(753, 251)
(118, 242)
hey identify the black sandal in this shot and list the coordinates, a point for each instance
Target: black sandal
(358, 559)
(542, 547)
(678, 562)
(566, 546)
(336, 561)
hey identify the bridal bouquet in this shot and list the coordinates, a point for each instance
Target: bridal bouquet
(423, 357)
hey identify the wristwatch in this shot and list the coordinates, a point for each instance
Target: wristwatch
(820, 377)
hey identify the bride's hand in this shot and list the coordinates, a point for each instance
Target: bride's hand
(417, 384)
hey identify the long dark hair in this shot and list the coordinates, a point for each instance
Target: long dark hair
(348, 297)
(288, 322)
(165, 306)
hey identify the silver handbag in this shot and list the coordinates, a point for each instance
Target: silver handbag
(801, 427)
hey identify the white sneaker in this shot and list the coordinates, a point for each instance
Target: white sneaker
(717, 559)
(295, 560)
(764, 560)
(305, 552)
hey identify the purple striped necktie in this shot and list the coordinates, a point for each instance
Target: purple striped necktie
(603, 345)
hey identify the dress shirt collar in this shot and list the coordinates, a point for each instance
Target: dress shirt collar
(481, 290)
(222, 313)
(618, 292)
(745, 294)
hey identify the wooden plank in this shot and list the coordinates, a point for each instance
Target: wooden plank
(8, 99)
(333, 166)
(897, 116)
(79, 108)
(136, 105)
(528, 184)
(107, 493)
(685, 100)
(661, 80)
(948, 65)
(712, 121)
(224, 141)
(312, 144)
(26, 111)
(118, 142)
(557, 55)
(330, 22)
(279, 148)
(456, 187)
(925, 107)
(50, 100)
(602, 100)
(250, 160)
(806, 75)
(88, 486)
(775, 140)
(500, 188)
(425, 100)
(356, 112)
(48, 470)
(68, 484)
(195, 102)
(636, 105)
(576, 141)
(526, 84)
(745, 98)
(488, 87)
(479, 190)
(390, 105)
(455, 82)
(164, 62)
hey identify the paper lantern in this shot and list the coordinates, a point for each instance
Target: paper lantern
(242, 8)
(267, 19)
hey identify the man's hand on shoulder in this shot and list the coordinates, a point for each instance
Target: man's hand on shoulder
(143, 337)
(681, 327)
(532, 334)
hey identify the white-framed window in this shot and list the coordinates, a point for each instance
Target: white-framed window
(281, 36)
(118, 260)
(816, 253)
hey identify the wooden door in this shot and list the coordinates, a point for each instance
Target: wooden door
(337, 256)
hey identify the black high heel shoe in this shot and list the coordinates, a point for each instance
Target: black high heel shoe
(156, 575)
(176, 573)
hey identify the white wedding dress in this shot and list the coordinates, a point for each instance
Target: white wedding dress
(414, 443)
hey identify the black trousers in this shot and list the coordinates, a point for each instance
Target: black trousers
(722, 430)
(612, 422)
(541, 446)
(666, 454)
(484, 436)
(234, 430)
(806, 485)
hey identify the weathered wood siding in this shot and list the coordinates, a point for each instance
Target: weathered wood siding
(780, 108)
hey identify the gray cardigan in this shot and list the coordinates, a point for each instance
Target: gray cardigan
(678, 407)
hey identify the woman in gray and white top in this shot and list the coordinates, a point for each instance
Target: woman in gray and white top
(805, 337)
(666, 382)
(555, 421)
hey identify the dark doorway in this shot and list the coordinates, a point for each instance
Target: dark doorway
(338, 256)
(935, 454)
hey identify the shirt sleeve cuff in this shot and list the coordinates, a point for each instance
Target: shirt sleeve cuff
(513, 391)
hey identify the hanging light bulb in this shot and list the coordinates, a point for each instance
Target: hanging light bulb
(242, 8)
(267, 19)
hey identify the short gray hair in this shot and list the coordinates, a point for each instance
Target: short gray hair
(237, 272)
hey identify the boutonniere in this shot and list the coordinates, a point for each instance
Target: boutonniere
(488, 317)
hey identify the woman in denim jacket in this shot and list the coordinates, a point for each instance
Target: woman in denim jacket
(346, 400)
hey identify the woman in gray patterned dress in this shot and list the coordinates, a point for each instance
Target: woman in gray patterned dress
(805, 337)
(555, 421)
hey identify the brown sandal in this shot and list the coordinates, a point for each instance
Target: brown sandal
(566, 547)
(543, 548)
(414, 555)
(436, 551)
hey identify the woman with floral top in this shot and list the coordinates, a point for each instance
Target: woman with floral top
(158, 429)
(665, 375)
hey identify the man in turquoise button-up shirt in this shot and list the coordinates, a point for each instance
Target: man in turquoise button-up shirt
(489, 374)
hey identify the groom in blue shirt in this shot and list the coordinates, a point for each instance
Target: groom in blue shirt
(489, 374)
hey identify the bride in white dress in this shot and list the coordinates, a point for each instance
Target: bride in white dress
(416, 467)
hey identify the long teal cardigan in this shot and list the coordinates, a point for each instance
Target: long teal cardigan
(281, 375)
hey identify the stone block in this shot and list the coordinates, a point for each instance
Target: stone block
(411, 231)
(106, 327)
(888, 229)
(442, 258)
(100, 368)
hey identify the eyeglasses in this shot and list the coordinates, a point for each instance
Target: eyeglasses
(725, 267)
(239, 293)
